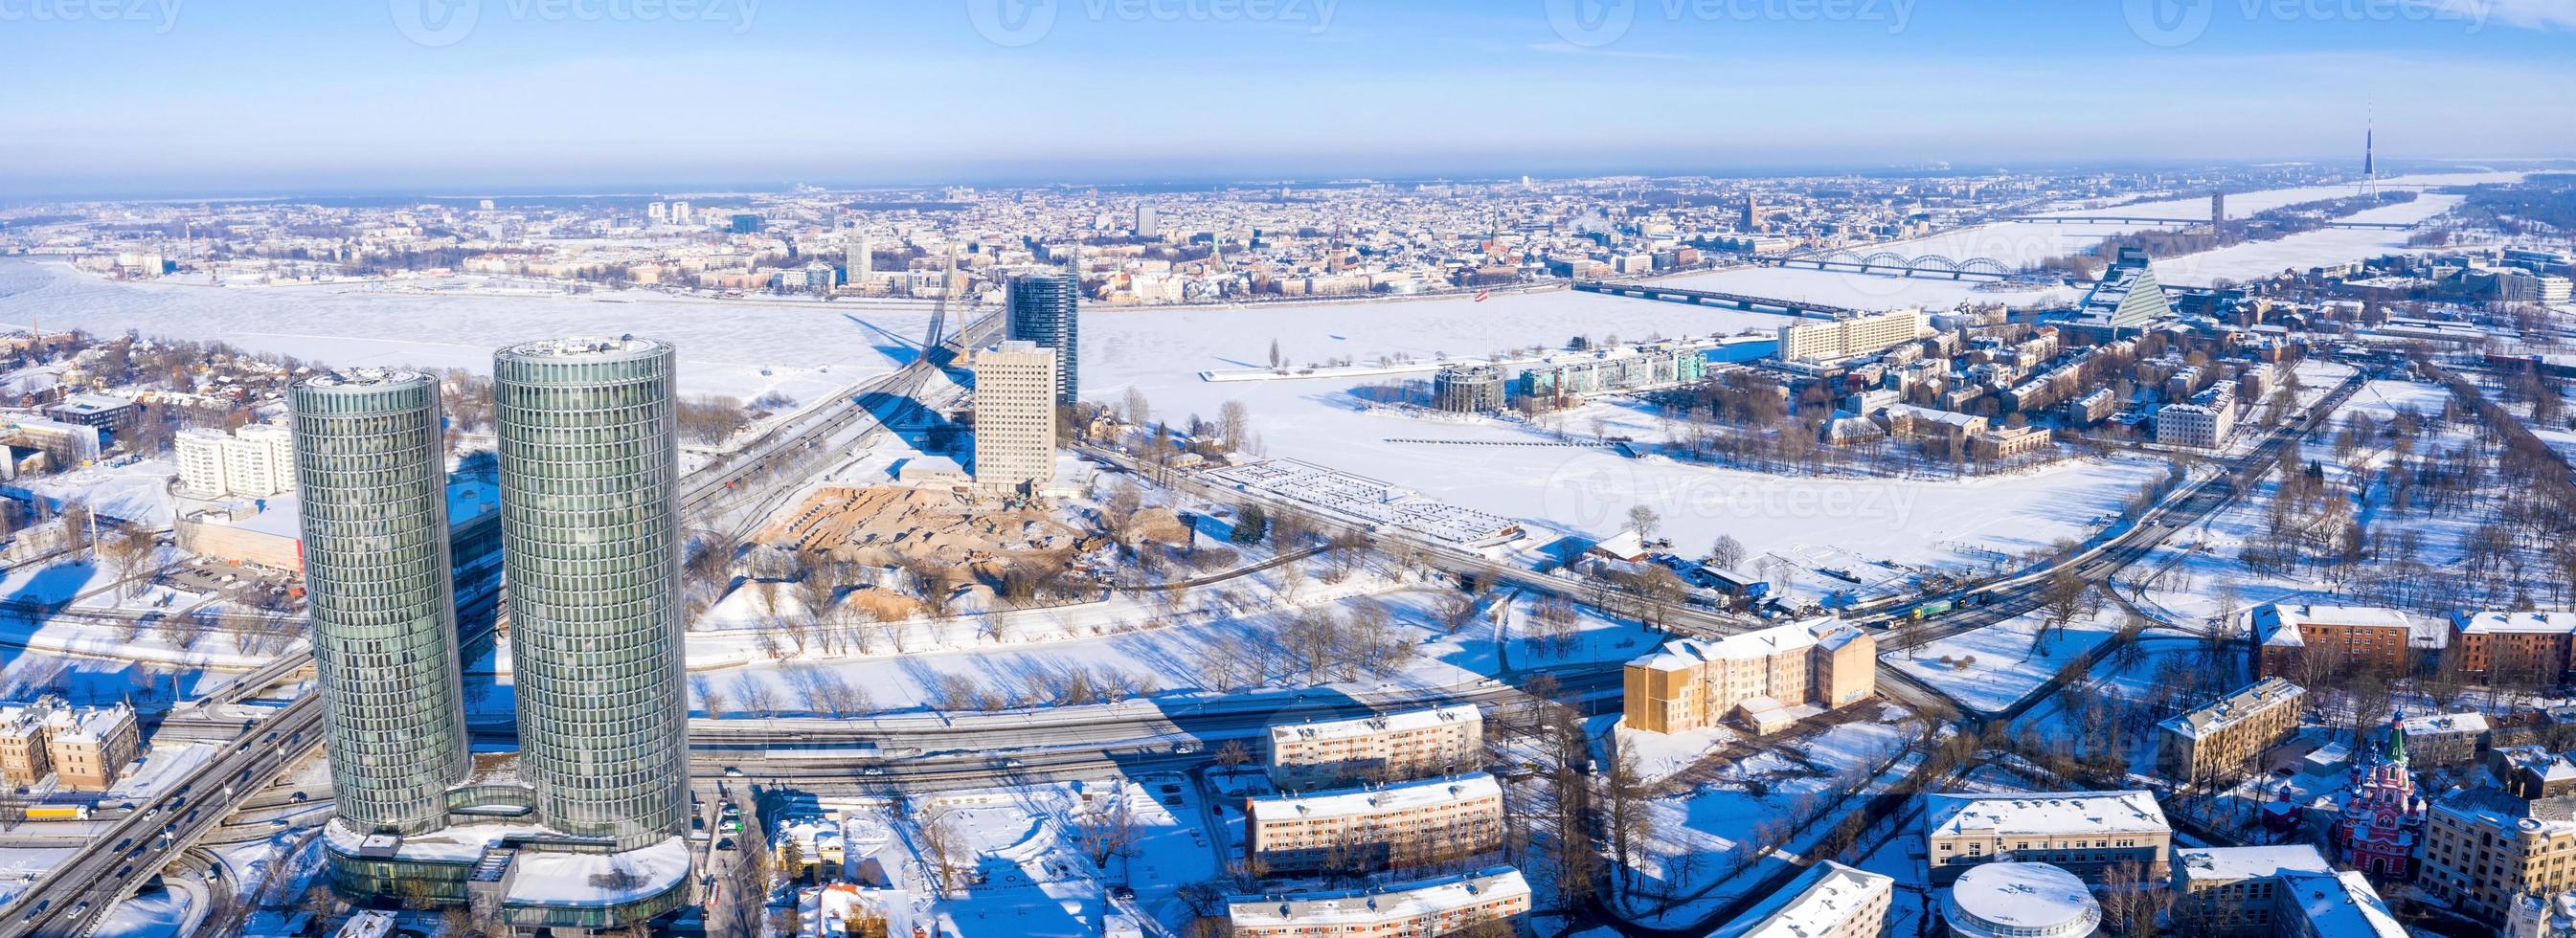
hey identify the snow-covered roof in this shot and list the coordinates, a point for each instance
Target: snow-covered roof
(2507, 814)
(1818, 902)
(2021, 899)
(2340, 905)
(2088, 812)
(2278, 623)
(590, 879)
(1373, 725)
(2227, 711)
(1352, 802)
(2443, 724)
(1626, 545)
(1396, 902)
(2491, 623)
(1763, 643)
(2229, 864)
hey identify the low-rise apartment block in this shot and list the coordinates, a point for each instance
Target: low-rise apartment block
(2083, 832)
(84, 748)
(1829, 900)
(2226, 734)
(2519, 647)
(1372, 828)
(2230, 891)
(1439, 906)
(2293, 637)
(2444, 740)
(1690, 684)
(1385, 748)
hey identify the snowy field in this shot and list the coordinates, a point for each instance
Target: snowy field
(1561, 490)
(1994, 667)
(724, 347)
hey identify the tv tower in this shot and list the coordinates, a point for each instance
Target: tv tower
(2369, 163)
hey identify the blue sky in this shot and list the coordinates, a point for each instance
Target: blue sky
(237, 96)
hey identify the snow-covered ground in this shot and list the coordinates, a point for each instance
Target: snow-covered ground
(1025, 852)
(1704, 831)
(1994, 667)
(154, 914)
(2186, 578)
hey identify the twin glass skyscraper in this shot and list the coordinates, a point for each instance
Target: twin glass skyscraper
(589, 467)
(590, 542)
(371, 470)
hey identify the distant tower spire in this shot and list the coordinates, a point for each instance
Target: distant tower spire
(2369, 158)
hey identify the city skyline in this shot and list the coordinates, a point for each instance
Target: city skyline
(993, 91)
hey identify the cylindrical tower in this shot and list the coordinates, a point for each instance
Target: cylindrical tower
(369, 459)
(591, 552)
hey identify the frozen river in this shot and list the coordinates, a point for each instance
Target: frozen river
(725, 348)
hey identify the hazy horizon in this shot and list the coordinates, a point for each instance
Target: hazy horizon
(220, 97)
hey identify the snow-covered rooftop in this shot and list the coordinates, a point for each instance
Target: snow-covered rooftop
(2021, 899)
(2438, 724)
(1818, 902)
(2044, 813)
(552, 878)
(1348, 802)
(2340, 904)
(2229, 864)
(1396, 902)
(2227, 711)
(1373, 725)
(2491, 623)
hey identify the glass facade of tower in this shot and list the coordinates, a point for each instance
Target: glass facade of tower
(1046, 308)
(590, 547)
(370, 461)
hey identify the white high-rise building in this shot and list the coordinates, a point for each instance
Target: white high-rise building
(657, 212)
(201, 461)
(1014, 415)
(858, 258)
(679, 213)
(280, 443)
(255, 461)
(248, 470)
